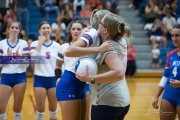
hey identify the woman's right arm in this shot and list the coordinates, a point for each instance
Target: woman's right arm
(79, 48)
(158, 93)
(37, 51)
(162, 84)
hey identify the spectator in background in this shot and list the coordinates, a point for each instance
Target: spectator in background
(172, 5)
(113, 6)
(9, 17)
(158, 30)
(86, 12)
(161, 6)
(100, 7)
(77, 3)
(4, 6)
(23, 35)
(135, 4)
(23, 14)
(151, 12)
(58, 38)
(58, 25)
(93, 3)
(131, 63)
(50, 5)
(67, 15)
(155, 56)
(86, 21)
(62, 3)
(169, 22)
(37, 2)
(30, 39)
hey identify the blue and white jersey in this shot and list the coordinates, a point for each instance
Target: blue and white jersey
(50, 53)
(22, 48)
(92, 39)
(69, 62)
(172, 69)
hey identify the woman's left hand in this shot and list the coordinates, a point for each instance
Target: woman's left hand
(85, 77)
(17, 52)
(106, 46)
(175, 83)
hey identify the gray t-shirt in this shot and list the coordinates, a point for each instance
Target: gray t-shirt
(112, 94)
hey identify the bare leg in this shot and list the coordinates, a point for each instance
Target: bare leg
(70, 110)
(84, 109)
(5, 93)
(19, 91)
(88, 108)
(52, 100)
(40, 97)
(178, 111)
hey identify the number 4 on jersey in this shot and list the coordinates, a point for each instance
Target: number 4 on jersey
(174, 72)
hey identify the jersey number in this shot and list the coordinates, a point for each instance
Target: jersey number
(174, 72)
(48, 55)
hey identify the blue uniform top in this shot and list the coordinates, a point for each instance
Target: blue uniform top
(172, 70)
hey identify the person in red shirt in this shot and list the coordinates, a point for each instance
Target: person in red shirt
(131, 64)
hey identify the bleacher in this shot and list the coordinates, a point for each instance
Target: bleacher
(170, 45)
(36, 17)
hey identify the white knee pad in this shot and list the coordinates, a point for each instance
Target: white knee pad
(17, 116)
(39, 115)
(53, 115)
(3, 116)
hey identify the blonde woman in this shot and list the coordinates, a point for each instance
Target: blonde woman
(110, 81)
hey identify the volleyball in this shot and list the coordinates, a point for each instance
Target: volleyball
(81, 64)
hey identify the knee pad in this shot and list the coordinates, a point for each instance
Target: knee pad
(39, 115)
(53, 115)
(17, 116)
(3, 116)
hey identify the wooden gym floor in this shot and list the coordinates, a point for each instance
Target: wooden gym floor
(142, 91)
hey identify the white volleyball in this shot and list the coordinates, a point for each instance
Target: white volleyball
(81, 64)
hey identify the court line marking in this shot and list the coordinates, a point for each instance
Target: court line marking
(33, 103)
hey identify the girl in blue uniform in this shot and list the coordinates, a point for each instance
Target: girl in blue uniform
(70, 91)
(13, 77)
(170, 82)
(44, 74)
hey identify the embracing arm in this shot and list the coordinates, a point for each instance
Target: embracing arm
(116, 71)
(79, 48)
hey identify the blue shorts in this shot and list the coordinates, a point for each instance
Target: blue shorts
(44, 82)
(87, 88)
(172, 95)
(13, 79)
(70, 88)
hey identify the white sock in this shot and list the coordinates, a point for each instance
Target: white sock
(39, 115)
(17, 116)
(3, 116)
